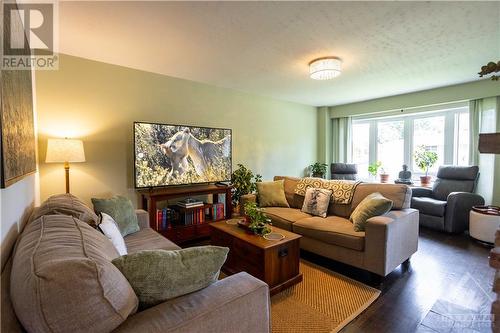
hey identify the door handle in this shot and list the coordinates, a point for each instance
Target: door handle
(283, 252)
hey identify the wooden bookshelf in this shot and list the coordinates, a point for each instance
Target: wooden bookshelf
(179, 233)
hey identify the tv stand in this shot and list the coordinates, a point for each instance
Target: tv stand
(183, 233)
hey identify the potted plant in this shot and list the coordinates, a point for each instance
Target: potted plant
(373, 169)
(258, 222)
(425, 159)
(384, 177)
(244, 182)
(318, 169)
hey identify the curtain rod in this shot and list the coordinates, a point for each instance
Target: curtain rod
(413, 110)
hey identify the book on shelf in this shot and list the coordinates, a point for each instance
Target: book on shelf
(193, 216)
(218, 211)
(164, 218)
(190, 203)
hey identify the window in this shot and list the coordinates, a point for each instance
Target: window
(390, 145)
(361, 150)
(392, 140)
(429, 133)
(462, 139)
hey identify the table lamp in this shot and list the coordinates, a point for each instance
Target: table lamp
(65, 151)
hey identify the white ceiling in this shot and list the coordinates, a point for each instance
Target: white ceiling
(388, 48)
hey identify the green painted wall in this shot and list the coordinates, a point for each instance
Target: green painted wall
(98, 103)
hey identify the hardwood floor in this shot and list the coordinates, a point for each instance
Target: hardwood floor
(445, 288)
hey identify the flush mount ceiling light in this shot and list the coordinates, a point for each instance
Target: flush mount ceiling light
(325, 68)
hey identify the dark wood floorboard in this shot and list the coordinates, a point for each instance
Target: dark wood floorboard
(445, 288)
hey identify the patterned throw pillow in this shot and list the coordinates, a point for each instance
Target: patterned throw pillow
(316, 201)
(159, 275)
(374, 204)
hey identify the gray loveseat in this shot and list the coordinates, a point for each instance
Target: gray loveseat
(446, 206)
(61, 279)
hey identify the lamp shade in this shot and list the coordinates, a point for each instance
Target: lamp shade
(325, 68)
(64, 150)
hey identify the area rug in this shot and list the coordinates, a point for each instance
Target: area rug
(323, 302)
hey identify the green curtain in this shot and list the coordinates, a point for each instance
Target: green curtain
(484, 117)
(475, 113)
(342, 139)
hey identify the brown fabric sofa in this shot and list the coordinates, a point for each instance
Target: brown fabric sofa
(62, 266)
(388, 240)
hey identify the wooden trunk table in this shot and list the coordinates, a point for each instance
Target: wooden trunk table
(272, 261)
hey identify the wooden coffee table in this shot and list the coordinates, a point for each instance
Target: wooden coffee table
(272, 261)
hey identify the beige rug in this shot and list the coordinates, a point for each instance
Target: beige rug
(323, 302)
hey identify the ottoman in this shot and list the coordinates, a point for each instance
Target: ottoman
(484, 221)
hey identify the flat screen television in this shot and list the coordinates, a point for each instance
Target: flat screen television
(178, 155)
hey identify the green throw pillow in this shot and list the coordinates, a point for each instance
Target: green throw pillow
(121, 210)
(272, 194)
(159, 275)
(374, 204)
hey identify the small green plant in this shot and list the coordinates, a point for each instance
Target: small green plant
(373, 168)
(244, 182)
(318, 169)
(425, 159)
(259, 222)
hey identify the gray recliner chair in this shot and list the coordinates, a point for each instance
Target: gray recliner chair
(343, 171)
(447, 205)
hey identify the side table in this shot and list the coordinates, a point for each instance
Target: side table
(484, 221)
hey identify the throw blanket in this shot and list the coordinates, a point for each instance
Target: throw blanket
(342, 190)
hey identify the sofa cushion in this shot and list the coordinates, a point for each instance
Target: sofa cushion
(237, 303)
(284, 217)
(316, 201)
(332, 230)
(66, 204)
(272, 194)
(159, 275)
(399, 194)
(429, 206)
(63, 280)
(294, 200)
(458, 172)
(443, 187)
(343, 210)
(148, 239)
(121, 210)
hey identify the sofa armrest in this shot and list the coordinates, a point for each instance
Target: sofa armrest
(390, 239)
(238, 303)
(421, 192)
(142, 218)
(458, 207)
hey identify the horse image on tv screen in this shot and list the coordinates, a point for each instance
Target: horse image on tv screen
(174, 155)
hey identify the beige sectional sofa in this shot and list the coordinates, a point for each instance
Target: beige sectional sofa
(60, 279)
(388, 240)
